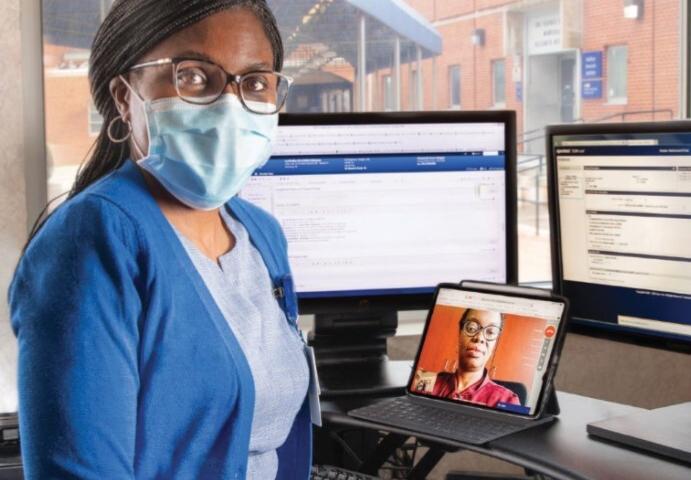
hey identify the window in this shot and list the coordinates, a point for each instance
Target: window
(550, 61)
(498, 83)
(455, 86)
(95, 120)
(387, 87)
(617, 73)
(414, 103)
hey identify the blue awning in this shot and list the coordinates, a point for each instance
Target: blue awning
(331, 30)
(404, 20)
(330, 26)
(72, 23)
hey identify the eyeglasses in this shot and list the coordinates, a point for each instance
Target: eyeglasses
(472, 328)
(202, 82)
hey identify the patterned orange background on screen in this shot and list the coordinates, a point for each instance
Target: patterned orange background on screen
(514, 359)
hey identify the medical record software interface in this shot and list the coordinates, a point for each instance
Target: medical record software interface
(387, 208)
(625, 219)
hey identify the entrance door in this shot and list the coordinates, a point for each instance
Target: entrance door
(568, 89)
(550, 95)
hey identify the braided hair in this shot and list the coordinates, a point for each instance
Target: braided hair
(131, 28)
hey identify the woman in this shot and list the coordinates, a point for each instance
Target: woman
(478, 334)
(154, 310)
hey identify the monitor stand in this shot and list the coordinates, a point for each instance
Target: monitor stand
(351, 354)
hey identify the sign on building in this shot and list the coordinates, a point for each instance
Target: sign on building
(544, 33)
(591, 89)
(591, 65)
(591, 75)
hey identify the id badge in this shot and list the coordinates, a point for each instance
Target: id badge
(314, 390)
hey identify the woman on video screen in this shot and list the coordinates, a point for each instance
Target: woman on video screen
(479, 332)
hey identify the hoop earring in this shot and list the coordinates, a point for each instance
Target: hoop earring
(111, 137)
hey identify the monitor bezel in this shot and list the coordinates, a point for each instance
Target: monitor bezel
(590, 327)
(379, 303)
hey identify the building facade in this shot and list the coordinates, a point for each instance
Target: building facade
(555, 61)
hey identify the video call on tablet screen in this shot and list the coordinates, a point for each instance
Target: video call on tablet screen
(487, 349)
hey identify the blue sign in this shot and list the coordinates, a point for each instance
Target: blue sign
(591, 89)
(591, 65)
(519, 91)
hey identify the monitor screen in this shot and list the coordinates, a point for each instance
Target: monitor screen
(487, 349)
(622, 226)
(382, 205)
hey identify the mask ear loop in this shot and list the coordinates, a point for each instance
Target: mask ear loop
(137, 148)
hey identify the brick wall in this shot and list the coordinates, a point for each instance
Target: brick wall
(67, 118)
(653, 55)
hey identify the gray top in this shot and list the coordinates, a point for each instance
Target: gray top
(241, 286)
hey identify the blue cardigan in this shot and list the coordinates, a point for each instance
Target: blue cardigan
(127, 368)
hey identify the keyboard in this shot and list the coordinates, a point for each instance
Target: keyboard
(403, 413)
(328, 472)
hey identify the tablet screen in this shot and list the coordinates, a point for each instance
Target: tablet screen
(487, 349)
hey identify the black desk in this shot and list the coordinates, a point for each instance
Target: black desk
(10, 466)
(562, 450)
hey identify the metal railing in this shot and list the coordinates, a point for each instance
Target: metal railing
(528, 163)
(620, 115)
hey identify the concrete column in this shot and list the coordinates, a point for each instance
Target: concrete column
(419, 100)
(13, 134)
(397, 73)
(362, 65)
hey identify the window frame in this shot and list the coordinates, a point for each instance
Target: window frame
(451, 69)
(493, 69)
(412, 88)
(36, 155)
(617, 99)
(388, 101)
(94, 120)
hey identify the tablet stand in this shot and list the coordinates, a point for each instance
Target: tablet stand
(552, 408)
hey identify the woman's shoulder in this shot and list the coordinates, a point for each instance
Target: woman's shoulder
(503, 393)
(110, 207)
(87, 217)
(85, 235)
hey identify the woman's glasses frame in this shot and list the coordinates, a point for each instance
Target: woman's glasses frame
(482, 330)
(230, 78)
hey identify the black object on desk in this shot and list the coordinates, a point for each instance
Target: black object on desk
(368, 377)
(665, 431)
(351, 354)
(329, 472)
(10, 457)
(561, 449)
(475, 426)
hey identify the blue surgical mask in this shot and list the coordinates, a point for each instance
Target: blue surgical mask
(204, 154)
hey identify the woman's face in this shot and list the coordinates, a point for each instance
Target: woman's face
(475, 350)
(233, 39)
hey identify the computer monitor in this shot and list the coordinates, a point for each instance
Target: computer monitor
(378, 208)
(620, 201)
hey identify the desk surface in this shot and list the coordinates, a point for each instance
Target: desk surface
(562, 449)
